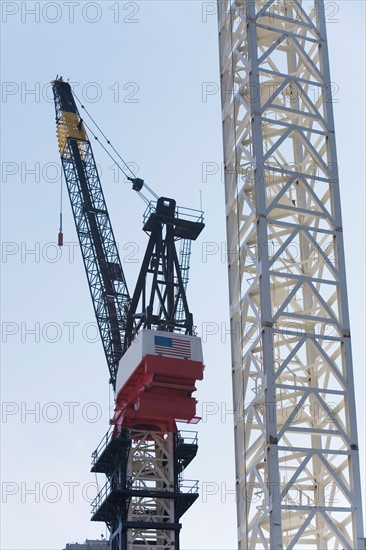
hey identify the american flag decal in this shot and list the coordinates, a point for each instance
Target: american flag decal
(172, 346)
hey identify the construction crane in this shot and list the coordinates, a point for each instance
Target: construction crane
(153, 355)
(296, 447)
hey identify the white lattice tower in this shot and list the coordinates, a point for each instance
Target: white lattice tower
(297, 464)
(151, 468)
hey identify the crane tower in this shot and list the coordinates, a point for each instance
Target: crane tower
(297, 463)
(152, 352)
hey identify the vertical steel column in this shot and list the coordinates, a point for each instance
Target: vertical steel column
(297, 465)
(150, 469)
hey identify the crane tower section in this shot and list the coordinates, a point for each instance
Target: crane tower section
(297, 463)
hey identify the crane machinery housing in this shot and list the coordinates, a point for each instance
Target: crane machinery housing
(153, 355)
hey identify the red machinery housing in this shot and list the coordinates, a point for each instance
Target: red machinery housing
(155, 381)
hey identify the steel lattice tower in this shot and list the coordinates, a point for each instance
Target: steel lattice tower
(297, 464)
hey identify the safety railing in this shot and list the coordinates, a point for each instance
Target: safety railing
(188, 437)
(100, 498)
(188, 486)
(185, 486)
(102, 445)
(181, 212)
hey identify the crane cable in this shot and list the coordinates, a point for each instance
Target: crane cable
(103, 134)
(134, 177)
(145, 199)
(60, 239)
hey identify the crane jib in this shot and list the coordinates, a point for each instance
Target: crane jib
(102, 264)
(106, 275)
(67, 101)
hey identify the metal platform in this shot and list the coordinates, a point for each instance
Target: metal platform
(116, 496)
(187, 447)
(110, 451)
(187, 223)
(123, 492)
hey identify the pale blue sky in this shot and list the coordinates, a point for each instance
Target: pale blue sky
(161, 60)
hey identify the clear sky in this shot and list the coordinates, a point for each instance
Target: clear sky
(140, 68)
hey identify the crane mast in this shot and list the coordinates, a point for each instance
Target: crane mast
(297, 462)
(153, 355)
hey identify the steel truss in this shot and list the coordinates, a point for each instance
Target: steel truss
(99, 250)
(103, 267)
(297, 464)
(151, 469)
(145, 495)
(159, 300)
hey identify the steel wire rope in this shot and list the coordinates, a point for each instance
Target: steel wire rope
(145, 199)
(115, 150)
(61, 182)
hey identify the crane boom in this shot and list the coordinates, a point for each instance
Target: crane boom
(102, 263)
